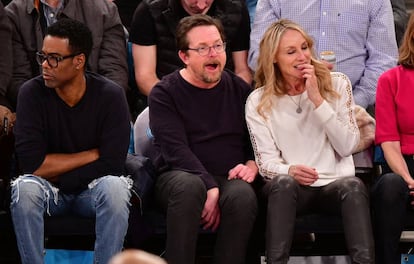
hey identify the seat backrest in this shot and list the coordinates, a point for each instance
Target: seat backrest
(143, 138)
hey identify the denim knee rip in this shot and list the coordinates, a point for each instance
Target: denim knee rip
(127, 180)
(47, 187)
(44, 184)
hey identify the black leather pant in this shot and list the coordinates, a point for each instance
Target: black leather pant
(183, 195)
(347, 197)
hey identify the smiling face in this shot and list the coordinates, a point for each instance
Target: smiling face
(66, 70)
(203, 71)
(293, 51)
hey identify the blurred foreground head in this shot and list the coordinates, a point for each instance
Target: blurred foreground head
(135, 256)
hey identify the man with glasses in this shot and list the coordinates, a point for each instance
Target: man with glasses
(153, 31)
(203, 152)
(72, 138)
(52, 60)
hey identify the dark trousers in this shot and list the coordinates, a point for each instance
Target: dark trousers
(182, 195)
(389, 198)
(347, 197)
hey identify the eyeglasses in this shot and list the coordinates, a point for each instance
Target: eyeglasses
(52, 60)
(205, 50)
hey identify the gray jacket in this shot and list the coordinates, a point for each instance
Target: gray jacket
(5, 54)
(108, 56)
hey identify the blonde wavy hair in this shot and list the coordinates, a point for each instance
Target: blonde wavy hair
(406, 52)
(268, 74)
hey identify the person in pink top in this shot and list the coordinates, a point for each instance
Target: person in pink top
(395, 134)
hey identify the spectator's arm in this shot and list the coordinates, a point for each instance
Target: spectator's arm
(268, 156)
(338, 119)
(394, 158)
(145, 63)
(241, 68)
(265, 15)
(113, 54)
(56, 164)
(382, 53)
(113, 143)
(6, 62)
(22, 59)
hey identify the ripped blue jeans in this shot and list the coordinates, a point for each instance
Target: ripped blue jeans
(106, 199)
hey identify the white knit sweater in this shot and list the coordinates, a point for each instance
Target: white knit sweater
(323, 138)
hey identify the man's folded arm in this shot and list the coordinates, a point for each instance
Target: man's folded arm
(56, 164)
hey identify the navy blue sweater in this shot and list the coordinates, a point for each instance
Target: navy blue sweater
(201, 131)
(46, 124)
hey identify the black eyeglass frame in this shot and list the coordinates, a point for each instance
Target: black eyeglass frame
(208, 49)
(41, 58)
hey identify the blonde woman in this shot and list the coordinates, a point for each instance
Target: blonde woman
(302, 126)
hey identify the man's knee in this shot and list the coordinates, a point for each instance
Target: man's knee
(187, 186)
(114, 191)
(239, 194)
(29, 192)
(182, 191)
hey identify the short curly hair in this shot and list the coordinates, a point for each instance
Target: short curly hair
(78, 34)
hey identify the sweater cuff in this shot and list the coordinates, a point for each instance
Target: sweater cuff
(284, 169)
(209, 181)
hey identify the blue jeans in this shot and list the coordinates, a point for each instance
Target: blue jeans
(106, 199)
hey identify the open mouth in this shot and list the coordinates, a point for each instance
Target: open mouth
(212, 66)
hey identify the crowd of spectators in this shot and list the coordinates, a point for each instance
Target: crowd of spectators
(364, 35)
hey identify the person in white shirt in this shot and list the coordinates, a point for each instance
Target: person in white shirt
(360, 32)
(303, 131)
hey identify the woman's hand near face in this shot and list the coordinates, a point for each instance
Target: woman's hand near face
(311, 84)
(303, 174)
